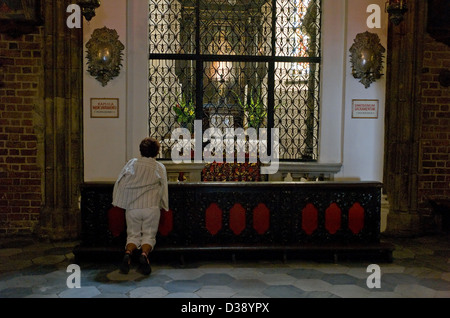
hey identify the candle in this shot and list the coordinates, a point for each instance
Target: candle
(245, 94)
(245, 103)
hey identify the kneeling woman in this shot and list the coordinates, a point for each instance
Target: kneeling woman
(141, 189)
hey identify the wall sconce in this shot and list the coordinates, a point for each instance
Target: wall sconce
(88, 8)
(104, 54)
(396, 10)
(367, 58)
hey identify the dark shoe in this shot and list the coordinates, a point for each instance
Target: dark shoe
(145, 265)
(125, 266)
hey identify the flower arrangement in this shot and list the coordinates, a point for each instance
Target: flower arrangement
(224, 171)
(232, 171)
(185, 111)
(256, 111)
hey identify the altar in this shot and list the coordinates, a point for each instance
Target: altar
(323, 218)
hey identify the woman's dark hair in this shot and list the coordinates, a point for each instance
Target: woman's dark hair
(149, 147)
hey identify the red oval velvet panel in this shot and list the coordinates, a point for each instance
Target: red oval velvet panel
(356, 218)
(333, 218)
(261, 218)
(309, 218)
(213, 218)
(116, 220)
(237, 218)
(165, 222)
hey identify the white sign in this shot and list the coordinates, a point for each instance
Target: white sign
(104, 107)
(364, 108)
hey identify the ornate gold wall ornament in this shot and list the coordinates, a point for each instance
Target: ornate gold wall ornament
(367, 58)
(104, 54)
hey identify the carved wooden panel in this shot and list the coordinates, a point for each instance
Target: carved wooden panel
(249, 214)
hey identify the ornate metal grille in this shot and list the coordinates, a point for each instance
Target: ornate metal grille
(236, 63)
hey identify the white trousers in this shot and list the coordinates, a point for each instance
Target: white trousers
(142, 226)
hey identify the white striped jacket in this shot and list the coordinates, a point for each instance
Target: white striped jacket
(142, 183)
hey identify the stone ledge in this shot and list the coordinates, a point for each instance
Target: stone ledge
(298, 170)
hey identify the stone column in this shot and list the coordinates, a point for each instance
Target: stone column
(60, 141)
(403, 109)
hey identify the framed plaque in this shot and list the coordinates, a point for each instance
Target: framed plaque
(365, 108)
(104, 108)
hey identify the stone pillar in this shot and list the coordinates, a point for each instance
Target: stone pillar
(60, 141)
(403, 109)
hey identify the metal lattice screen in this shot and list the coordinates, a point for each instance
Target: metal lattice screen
(236, 63)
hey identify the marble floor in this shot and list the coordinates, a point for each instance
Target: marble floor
(31, 269)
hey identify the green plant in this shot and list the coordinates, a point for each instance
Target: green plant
(185, 111)
(255, 110)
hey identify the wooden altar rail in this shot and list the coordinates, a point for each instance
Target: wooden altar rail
(320, 218)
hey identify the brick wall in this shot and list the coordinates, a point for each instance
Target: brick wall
(21, 71)
(434, 164)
